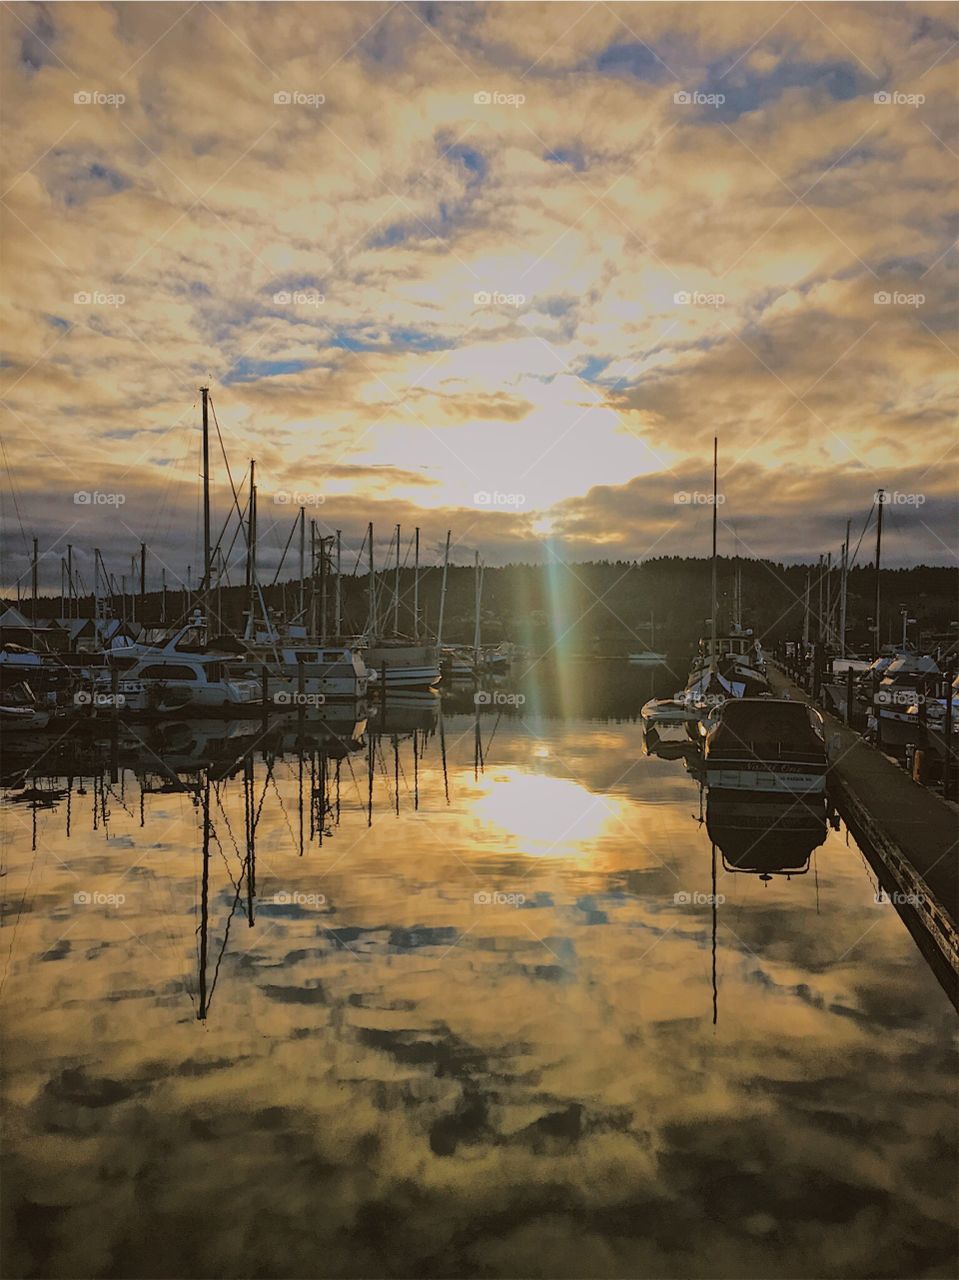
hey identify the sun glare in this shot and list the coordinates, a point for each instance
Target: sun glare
(546, 816)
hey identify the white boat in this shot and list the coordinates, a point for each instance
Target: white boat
(180, 674)
(15, 716)
(297, 667)
(650, 657)
(458, 663)
(676, 710)
(406, 665)
(907, 678)
(766, 745)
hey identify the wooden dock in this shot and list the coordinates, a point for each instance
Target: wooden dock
(909, 835)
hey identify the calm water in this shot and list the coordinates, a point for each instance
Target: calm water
(451, 1021)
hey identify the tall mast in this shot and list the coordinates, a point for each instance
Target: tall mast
(416, 586)
(143, 582)
(805, 612)
(842, 591)
(446, 563)
(301, 611)
(321, 633)
(70, 579)
(477, 593)
(715, 602)
(251, 553)
(819, 610)
(34, 583)
(205, 394)
(879, 501)
(314, 627)
(96, 586)
(371, 592)
(338, 596)
(396, 587)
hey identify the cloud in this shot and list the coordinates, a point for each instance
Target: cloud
(383, 198)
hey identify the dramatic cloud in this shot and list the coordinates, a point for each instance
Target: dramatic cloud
(422, 253)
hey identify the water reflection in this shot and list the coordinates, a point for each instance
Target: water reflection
(443, 992)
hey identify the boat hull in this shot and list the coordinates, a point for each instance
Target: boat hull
(771, 777)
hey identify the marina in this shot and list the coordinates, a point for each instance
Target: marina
(479, 641)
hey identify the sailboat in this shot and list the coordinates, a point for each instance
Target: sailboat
(397, 661)
(300, 665)
(707, 688)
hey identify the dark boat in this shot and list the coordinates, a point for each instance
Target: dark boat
(770, 745)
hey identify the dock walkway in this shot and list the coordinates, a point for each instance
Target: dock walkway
(912, 833)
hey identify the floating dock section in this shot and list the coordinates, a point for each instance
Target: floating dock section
(909, 835)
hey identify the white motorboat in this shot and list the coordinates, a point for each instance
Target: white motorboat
(297, 667)
(180, 674)
(406, 665)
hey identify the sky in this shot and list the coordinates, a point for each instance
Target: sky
(501, 269)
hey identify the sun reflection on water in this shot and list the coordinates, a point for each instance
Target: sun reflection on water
(545, 816)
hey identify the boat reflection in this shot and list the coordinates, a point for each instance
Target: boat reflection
(764, 836)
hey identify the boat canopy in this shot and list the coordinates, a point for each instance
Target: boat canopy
(766, 723)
